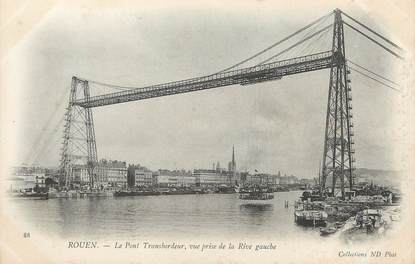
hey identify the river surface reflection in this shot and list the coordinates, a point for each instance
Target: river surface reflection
(198, 216)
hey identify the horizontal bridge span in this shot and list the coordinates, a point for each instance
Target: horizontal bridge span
(250, 75)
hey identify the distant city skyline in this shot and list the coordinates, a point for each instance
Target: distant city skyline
(231, 166)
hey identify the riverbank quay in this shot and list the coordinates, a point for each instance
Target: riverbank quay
(56, 193)
(358, 214)
(78, 193)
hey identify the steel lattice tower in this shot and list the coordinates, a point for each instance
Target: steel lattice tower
(338, 142)
(79, 146)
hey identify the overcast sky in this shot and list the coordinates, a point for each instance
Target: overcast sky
(274, 126)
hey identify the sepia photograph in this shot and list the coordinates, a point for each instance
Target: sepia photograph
(207, 132)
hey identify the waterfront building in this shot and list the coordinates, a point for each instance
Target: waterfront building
(166, 178)
(143, 177)
(205, 178)
(139, 176)
(217, 175)
(175, 178)
(260, 179)
(186, 180)
(163, 178)
(107, 174)
(117, 177)
(40, 181)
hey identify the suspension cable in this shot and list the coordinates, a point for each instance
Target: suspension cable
(126, 88)
(296, 44)
(118, 87)
(279, 42)
(309, 47)
(40, 137)
(320, 43)
(45, 144)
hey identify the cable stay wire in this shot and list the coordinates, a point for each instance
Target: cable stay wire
(376, 80)
(296, 44)
(307, 49)
(374, 73)
(297, 51)
(378, 43)
(314, 23)
(309, 46)
(315, 46)
(41, 136)
(278, 43)
(118, 87)
(45, 144)
(371, 30)
(129, 88)
(322, 19)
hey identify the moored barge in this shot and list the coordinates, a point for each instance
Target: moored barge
(310, 214)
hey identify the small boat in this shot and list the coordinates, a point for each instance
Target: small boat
(324, 231)
(281, 189)
(226, 189)
(328, 230)
(30, 195)
(339, 225)
(180, 192)
(135, 193)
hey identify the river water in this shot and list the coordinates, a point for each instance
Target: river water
(197, 216)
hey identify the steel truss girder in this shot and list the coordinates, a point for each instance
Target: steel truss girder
(251, 75)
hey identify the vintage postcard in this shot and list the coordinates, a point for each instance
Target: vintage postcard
(207, 131)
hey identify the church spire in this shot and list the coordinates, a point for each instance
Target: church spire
(233, 158)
